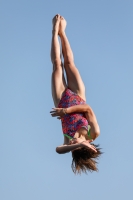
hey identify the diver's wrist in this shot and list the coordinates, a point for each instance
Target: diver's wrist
(64, 110)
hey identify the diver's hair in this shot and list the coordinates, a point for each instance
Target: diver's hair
(84, 159)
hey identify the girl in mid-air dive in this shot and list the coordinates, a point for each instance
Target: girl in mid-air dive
(79, 123)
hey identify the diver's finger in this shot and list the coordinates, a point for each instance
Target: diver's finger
(89, 140)
(93, 148)
(54, 115)
(52, 111)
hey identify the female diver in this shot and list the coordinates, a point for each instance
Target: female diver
(79, 123)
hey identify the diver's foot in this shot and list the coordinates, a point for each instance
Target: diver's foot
(62, 25)
(56, 23)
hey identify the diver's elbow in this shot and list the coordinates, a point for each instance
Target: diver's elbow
(58, 150)
(97, 132)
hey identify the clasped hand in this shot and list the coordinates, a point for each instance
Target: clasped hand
(57, 112)
(83, 143)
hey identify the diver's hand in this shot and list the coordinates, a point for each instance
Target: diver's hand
(83, 143)
(87, 144)
(58, 112)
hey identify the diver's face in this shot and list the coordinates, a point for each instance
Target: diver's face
(76, 140)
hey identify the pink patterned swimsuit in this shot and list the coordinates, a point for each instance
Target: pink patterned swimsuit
(72, 122)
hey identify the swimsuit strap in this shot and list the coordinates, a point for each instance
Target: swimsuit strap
(68, 136)
(89, 134)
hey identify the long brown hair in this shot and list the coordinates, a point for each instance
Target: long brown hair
(84, 159)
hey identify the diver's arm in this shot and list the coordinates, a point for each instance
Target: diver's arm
(60, 112)
(90, 116)
(67, 148)
(94, 126)
(77, 108)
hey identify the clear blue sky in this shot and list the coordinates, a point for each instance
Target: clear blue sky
(101, 36)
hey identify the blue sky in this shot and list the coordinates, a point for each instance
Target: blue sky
(101, 36)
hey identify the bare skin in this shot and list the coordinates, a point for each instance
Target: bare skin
(74, 81)
(58, 81)
(90, 116)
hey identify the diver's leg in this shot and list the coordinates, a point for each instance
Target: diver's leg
(58, 81)
(74, 79)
